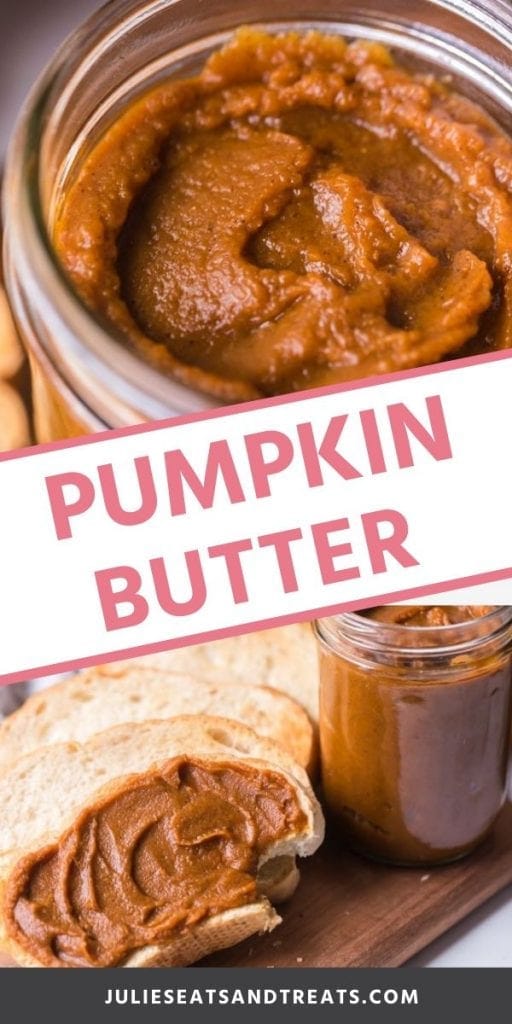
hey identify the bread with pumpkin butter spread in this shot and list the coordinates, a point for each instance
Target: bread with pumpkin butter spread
(284, 658)
(151, 844)
(91, 702)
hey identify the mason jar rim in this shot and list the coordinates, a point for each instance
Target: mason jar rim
(122, 380)
(368, 634)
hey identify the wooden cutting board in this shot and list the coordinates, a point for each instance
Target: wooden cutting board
(349, 912)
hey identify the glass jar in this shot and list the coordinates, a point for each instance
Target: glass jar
(414, 729)
(84, 378)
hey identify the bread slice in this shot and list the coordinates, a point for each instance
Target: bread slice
(91, 702)
(44, 793)
(284, 658)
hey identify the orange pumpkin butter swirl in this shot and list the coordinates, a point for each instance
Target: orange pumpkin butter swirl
(303, 212)
(170, 849)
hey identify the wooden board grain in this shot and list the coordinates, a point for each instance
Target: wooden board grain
(350, 912)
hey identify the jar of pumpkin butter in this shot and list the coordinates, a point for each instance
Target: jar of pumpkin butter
(210, 202)
(415, 712)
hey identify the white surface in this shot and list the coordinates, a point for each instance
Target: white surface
(30, 32)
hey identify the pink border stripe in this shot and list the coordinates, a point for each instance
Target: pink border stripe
(255, 627)
(402, 595)
(260, 403)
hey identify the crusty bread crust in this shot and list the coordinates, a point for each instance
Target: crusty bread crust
(42, 794)
(91, 702)
(284, 658)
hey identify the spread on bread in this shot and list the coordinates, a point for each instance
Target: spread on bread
(172, 847)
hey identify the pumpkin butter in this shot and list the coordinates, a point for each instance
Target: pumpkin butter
(302, 212)
(415, 706)
(170, 849)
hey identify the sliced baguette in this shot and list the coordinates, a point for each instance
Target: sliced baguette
(91, 702)
(43, 793)
(284, 658)
(14, 425)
